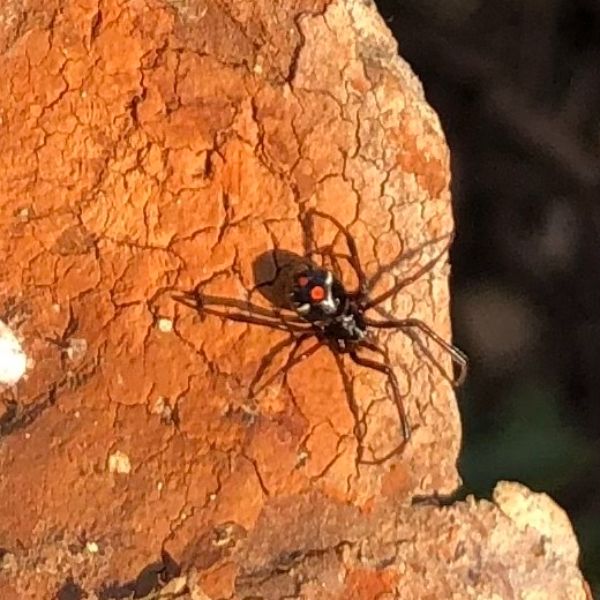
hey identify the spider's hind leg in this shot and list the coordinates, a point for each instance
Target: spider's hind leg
(385, 367)
(292, 359)
(360, 428)
(458, 357)
(266, 362)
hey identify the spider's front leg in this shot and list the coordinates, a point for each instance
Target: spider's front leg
(353, 258)
(255, 315)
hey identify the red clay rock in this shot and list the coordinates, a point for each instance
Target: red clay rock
(147, 147)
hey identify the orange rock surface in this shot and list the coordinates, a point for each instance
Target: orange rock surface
(151, 146)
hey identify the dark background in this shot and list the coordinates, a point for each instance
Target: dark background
(516, 84)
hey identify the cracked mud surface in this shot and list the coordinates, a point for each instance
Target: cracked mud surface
(152, 146)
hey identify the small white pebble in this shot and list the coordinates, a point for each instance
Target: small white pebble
(84, 94)
(118, 462)
(301, 458)
(160, 486)
(91, 547)
(24, 215)
(27, 436)
(77, 348)
(176, 586)
(13, 361)
(158, 406)
(165, 325)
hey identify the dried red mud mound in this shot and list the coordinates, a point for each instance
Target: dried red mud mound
(151, 146)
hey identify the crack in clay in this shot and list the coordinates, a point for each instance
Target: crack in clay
(19, 417)
(129, 155)
(286, 562)
(339, 453)
(261, 481)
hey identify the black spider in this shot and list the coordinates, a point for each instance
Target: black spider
(323, 308)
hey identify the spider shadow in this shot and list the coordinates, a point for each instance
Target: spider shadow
(150, 579)
(273, 271)
(70, 590)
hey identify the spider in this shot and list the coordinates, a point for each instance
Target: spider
(322, 307)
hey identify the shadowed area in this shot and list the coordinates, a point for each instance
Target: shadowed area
(273, 272)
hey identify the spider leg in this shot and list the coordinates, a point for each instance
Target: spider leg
(385, 368)
(267, 359)
(354, 258)
(334, 256)
(243, 318)
(458, 357)
(434, 361)
(410, 279)
(263, 317)
(403, 257)
(189, 299)
(293, 357)
(359, 422)
(203, 300)
(250, 319)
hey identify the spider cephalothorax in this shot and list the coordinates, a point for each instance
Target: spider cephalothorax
(320, 298)
(324, 309)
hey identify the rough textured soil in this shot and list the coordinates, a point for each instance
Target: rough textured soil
(151, 146)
